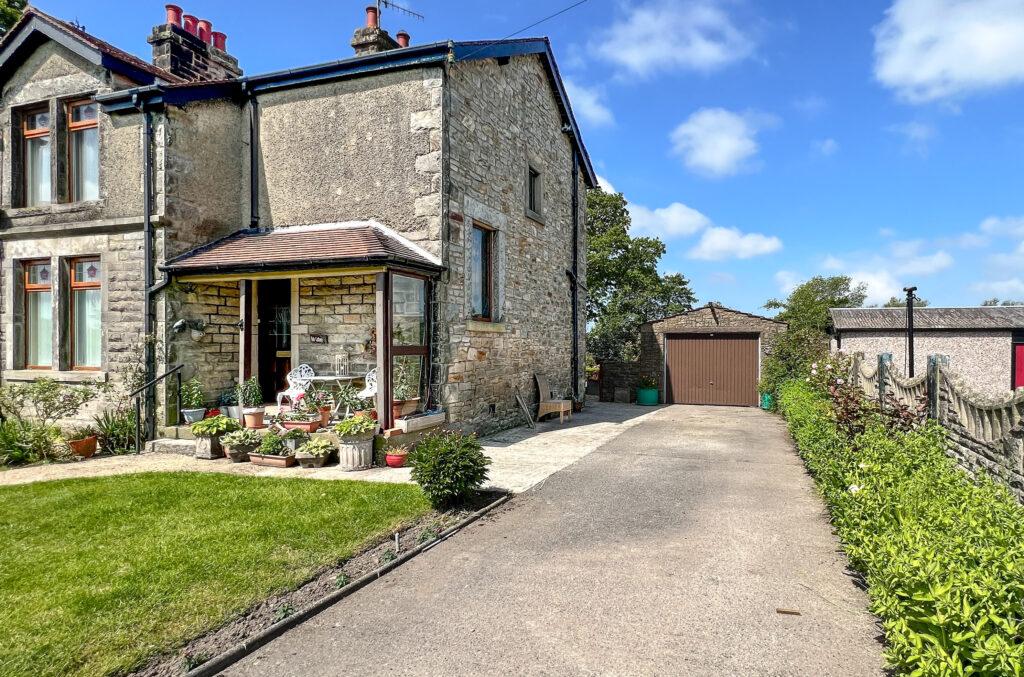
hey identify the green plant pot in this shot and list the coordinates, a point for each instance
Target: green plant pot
(767, 401)
(647, 396)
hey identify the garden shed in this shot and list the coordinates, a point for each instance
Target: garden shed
(708, 355)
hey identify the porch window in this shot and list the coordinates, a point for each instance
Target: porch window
(409, 338)
(84, 150)
(36, 135)
(481, 266)
(38, 315)
(86, 297)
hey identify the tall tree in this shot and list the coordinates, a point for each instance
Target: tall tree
(624, 286)
(997, 302)
(897, 302)
(10, 12)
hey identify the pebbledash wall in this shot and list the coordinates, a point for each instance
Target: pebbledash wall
(501, 119)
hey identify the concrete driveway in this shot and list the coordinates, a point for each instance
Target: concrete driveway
(668, 550)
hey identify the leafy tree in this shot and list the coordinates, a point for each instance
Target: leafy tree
(896, 302)
(624, 285)
(806, 340)
(10, 12)
(997, 302)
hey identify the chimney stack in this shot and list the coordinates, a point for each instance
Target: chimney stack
(403, 39)
(189, 48)
(372, 38)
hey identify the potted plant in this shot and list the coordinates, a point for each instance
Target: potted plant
(647, 391)
(301, 420)
(294, 438)
(208, 433)
(193, 406)
(406, 388)
(240, 443)
(321, 402)
(355, 451)
(272, 452)
(250, 398)
(314, 453)
(396, 457)
(228, 403)
(82, 441)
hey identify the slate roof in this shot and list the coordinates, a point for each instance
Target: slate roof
(303, 247)
(881, 319)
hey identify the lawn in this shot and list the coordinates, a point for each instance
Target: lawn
(98, 574)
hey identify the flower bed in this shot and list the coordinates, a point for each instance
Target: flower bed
(942, 553)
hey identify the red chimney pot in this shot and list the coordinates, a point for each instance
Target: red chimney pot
(204, 26)
(220, 40)
(372, 17)
(173, 14)
(190, 23)
(403, 39)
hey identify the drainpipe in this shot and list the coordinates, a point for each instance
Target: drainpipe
(149, 347)
(254, 161)
(910, 330)
(575, 369)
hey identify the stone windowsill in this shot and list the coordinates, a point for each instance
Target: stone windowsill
(534, 216)
(15, 213)
(59, 376)
(489, 327)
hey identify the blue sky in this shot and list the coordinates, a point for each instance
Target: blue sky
(765, 142)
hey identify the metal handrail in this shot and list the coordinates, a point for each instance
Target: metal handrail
(138, 401)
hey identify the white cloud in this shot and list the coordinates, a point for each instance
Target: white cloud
(605, 184)
(926, 265)
(674, 220)
(916, 136)
(1004, 225)
(881, 285)
(719, 243)
(826, 147)
(787, 281)
(722, 277)
(810, 105)
(716, 142)
(698, 35)
(928, 50)
(905, 248)
(1009, 288)
(970, 241)
(833, 263)
(587, 101)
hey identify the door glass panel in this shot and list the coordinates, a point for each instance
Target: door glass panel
(408, 306)
(407, 377)
(39, 348)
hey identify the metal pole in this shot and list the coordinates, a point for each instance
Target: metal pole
(177, 375)
(910, 330)
(138, 423)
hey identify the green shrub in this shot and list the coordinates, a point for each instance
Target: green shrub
(44, 400)
(246, 438)
(273, 445)
(450, 467)
(361, 426)
(116, 430)
(25, 441)
(192, 396)
(250, 394)
(214, 426)
(942, 553)
(318, 446)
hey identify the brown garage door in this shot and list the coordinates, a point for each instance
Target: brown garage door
(711, 369)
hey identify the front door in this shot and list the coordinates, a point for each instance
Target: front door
(274, 312)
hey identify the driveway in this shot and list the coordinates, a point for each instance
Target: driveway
(668, 550)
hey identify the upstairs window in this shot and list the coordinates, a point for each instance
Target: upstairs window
(481, 267)
(38, 315)
(84, 151)
(36, 134)
(86, 297)
(534, 192)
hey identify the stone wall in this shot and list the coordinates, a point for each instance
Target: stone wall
(619, 381)
(982, 357)
(498, 121)
(342, 309)
(700, 320)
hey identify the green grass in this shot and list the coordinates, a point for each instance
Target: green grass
(97, 575)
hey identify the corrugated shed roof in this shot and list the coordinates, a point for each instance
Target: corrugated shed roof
(303, 247)
(981, 317)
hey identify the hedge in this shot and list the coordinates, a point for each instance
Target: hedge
(942, 553)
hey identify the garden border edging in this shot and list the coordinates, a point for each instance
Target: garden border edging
(236, 653)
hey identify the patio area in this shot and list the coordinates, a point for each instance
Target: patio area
(521, 457)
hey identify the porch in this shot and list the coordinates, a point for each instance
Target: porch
(351, 301)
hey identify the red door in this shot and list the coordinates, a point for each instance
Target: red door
(1018, 365)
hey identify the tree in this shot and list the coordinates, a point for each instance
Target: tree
(997, 302)
(624, 286)
(896, 302)
(10, 12)
(807, 305)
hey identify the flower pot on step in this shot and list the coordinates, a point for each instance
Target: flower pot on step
(193, 415)
(271, 461)
(396, 460)
(310, 461)
(253, 417)
(325, 416)
(306, 426)
(209, 448)
(234, 412)
(83, 448)
(355, 453)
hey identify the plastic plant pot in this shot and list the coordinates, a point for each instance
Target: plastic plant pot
(647, 397)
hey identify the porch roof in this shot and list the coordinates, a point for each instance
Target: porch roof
(294, 248)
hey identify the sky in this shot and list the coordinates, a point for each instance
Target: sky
(763, 142)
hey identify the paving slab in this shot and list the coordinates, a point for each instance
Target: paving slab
(668, 550)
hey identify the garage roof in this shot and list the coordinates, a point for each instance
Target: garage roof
(881, 319)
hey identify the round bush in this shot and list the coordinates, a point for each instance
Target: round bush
(449, 466)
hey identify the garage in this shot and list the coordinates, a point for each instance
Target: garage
(709, 355)
(711, 369)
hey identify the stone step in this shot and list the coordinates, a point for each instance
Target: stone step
(171, 446)
(177, 432)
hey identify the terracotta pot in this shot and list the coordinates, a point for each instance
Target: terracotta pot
(308, 426)
(325, 416)
(311, 461)
(254, 417)
(271, 461)
(84, 447)
(396, 460)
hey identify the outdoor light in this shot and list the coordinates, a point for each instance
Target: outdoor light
(196, 327)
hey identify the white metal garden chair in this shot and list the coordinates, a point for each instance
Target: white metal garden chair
(298, 380)
(371, 385)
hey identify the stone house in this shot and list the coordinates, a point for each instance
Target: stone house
(985, 345)
(417, 210)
